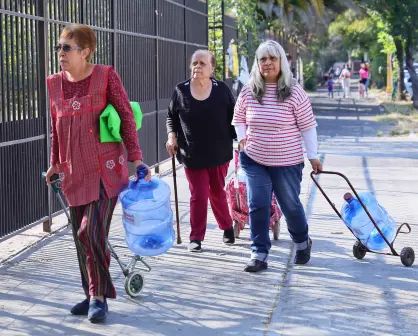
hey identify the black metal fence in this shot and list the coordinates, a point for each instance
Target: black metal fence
(148, 41)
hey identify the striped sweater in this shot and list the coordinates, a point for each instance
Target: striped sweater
(274, 128)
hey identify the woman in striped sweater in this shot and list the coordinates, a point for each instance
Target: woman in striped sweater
(272, 115)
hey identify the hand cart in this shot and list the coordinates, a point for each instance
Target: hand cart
(134, 280)
(407, 254)
(236, 194)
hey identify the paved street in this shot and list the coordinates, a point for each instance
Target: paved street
(208, 294)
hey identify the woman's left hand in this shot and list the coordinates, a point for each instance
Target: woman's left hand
(316, 165)
(138, 163)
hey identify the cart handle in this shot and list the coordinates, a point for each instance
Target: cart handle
(401, 226)
(358, 198)
(55, 182)
(327, 198)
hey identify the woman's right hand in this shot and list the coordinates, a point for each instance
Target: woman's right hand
(241, 145)
(171, 145)
(51, 171)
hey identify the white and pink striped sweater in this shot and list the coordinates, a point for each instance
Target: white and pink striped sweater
(274, 129)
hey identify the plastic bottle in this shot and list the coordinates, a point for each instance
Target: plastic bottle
(147, 216)
(363, 228)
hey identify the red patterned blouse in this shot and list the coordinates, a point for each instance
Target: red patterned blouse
(115, 95)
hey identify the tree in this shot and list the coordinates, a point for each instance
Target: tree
(359, 31)
(308, 20)
(353, 32)
(400, 17)
(248, 22)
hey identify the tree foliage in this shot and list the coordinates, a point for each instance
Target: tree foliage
(247, 21)
(400, 18)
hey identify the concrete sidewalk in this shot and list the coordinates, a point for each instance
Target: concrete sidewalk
(184, 294)
(208, 294)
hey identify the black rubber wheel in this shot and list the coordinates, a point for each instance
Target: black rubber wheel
(359, 251)
(237, 229)
(134, 284)
(407, 256)
(276, 230)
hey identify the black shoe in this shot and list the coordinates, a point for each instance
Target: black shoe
(97, 310)
(303, 256)
(229, 236)
(255, 265)
(195, 246)
(81, 308)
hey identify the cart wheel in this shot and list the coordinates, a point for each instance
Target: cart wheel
(276, 230)
(407, 256)
(134, 283)
(359, 251)
(237, 229)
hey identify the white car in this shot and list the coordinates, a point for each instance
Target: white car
(407, 81)
(407, 78)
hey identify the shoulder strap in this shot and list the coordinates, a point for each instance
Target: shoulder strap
(98, 85)
(54, 83)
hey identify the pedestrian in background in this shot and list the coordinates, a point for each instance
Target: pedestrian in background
(364, 77)
(272, 116)
(345, 81)
(330, 87)
(91, 173)
(367, 84)
(200, 133)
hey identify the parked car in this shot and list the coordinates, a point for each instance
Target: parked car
(407, 78)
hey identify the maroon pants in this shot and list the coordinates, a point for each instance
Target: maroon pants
(204, 184)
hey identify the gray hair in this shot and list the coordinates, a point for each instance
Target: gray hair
(285, 81)
(204, 52)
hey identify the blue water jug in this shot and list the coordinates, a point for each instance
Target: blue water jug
(363, 228)
(147, 216)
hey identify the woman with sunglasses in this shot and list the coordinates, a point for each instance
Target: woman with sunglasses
(91, 173)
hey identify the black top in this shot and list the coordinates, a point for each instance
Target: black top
(203, 127)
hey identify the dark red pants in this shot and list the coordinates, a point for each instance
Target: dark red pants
(204, 184)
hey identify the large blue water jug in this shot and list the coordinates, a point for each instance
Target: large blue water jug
(363, 228)
(147, 216)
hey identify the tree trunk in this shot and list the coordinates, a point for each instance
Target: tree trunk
(350, 61)
(410, 66)
(400, 95)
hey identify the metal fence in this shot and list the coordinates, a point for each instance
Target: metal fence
(148, 41)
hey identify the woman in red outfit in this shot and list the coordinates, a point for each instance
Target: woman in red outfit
(199, 125)
(91, 173)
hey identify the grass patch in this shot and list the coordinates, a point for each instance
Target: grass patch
(399, 132)
(401, 115)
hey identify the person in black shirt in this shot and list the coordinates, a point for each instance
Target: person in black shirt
(200, 134)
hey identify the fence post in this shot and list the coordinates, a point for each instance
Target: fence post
(157, 84)
(223, 40)
(42, 92)
(115, 37)
(185, 39)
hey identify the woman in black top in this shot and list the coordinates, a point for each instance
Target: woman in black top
(200, 133)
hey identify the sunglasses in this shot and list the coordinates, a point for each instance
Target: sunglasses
(66, 48)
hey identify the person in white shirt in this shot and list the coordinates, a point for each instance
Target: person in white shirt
(345, 80)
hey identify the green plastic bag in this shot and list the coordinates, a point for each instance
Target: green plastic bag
(110, 122)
